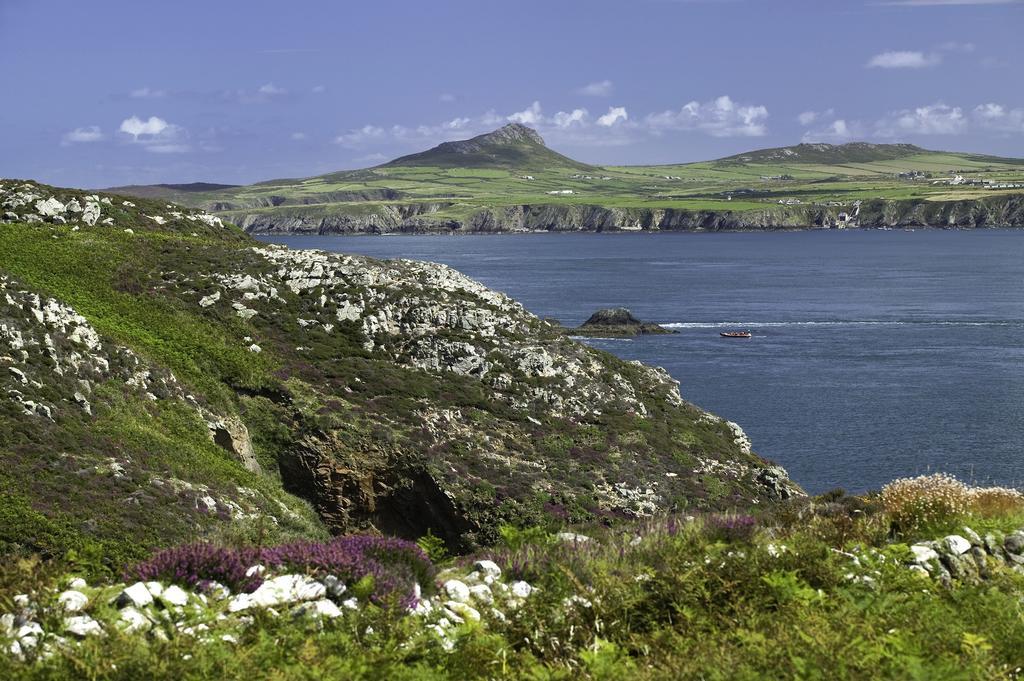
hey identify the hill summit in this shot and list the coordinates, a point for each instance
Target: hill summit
(511, 146)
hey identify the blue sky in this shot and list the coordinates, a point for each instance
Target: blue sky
(117, 92)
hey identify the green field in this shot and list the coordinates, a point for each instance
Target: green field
(453, 182)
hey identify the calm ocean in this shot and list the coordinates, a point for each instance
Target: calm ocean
(875, 354)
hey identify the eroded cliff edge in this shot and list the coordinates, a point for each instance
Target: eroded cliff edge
(437, 217)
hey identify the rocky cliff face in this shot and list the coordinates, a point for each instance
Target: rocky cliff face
(999, 211)
(396, 395)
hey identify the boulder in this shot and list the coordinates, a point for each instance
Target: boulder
(207, 301)
(91, 213)
(955, 545)
(174, 595)
(1014, 543)
(49, 208)
(923, 555)
(457, 590)
(136, 595)
(487, 568)
(132, 620)
(72, 601)
(82, 626)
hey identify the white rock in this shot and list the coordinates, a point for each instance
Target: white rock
(482, 593)
(50, 207)
(463, 610)
(255, 571)
(72, 601)
(29, 629)
(923, 554)
(326, 608)
(207, 301)
(91, 213)
(280, 590)
(956, 544)
(174, 595)
(77, 583)
(521, 589)
(457, 590)
(137, 594)
(128, 230)
(130, 620)
(350, 603)
(82, 626)
(488, 568)
(572, 538)
(241, 602)
(155, 588)
(255, 349)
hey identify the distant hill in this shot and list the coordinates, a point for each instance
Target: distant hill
(511, 146)
(852, 152)
(509, 180)
(155, 191)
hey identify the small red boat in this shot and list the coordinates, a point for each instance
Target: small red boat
(735, 334)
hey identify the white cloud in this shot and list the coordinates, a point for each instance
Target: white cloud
(271, 90)
(135, 126)
(997, 117)
(446, 97)
(903, 59)
(147, 93)
(721, 117)
(457, 123)
(528, 116)
(837, 132)
(564, 119)
(298, 136)
(601, 88)
(808, 117)
(936, 119)
(953, 46)
(156, 135)
(319, 89)
(361, 135)
(614, 115)
(91, 133)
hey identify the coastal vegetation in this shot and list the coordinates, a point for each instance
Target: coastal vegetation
(825, 587)
(224, 459)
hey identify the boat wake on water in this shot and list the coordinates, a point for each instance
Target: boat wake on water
(851, 322)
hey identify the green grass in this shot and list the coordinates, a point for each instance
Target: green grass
(661, 599)
(477, 183)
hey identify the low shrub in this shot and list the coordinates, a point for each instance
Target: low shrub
(937, 500)
(927, 500)
(391, 565)
(996, 501)
(730, 528)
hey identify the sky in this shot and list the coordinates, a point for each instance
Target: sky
(121, 92)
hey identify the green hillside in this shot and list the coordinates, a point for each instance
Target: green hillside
(508, 180)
